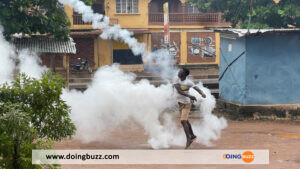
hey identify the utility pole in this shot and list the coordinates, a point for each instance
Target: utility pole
(250, 15)
(166, 24)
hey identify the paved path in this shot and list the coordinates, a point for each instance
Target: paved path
(281, 138)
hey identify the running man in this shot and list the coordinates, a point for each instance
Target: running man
(184, 99)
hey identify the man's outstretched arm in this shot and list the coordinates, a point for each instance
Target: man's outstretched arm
(199, 91)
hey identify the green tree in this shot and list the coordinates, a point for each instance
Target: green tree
(32, 114)
(32, 16)
(266, 13)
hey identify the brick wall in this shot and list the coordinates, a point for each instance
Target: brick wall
(156, 39)
(192, 58)
(84, 50)
(46, 57)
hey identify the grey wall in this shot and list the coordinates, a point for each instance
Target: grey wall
(273, 69)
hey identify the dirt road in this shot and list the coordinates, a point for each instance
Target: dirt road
(281, 138)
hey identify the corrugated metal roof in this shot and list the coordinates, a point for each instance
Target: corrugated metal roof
(244, 32)
(44, 44)
(86, 33)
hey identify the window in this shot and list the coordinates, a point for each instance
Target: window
(192, 9)
(127, 6)
(98, 8)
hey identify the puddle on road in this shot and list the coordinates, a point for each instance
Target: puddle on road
(288, 135)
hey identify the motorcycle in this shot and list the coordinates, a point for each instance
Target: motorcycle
(82, 65)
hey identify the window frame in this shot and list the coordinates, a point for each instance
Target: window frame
(125, 9)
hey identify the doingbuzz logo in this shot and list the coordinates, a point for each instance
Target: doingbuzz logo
(247, 156)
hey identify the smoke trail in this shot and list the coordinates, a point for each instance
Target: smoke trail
(102, 22)
(113, 98)
(117, 33)
(162, 59)
(7, 59)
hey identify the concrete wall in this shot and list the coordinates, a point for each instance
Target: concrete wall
(232, 85)
(273, 69)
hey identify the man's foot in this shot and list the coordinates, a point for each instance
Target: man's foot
(194, 137)
(188, 143)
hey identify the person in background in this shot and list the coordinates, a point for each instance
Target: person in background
(183, 84)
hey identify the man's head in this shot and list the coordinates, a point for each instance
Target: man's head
(183, 73)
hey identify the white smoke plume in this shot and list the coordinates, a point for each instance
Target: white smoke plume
(102, 22)
(30, 64)
(114, 98)
(115, 32)
(210, 126)
(99, 21)
(7, 63)
(161, 63)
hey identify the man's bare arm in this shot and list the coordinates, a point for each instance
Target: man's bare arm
(177, 87)
(199, 91)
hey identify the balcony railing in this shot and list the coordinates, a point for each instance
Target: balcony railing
(188, 19)
(77, 20)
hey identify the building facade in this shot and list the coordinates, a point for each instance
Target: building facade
(260, 67)
(190, 39)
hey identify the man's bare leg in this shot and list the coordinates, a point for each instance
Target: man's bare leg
(187, 133)
(193, 137)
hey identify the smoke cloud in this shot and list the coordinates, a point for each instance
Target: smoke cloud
(7, 64)
(102, 22)
(161, 63)
(30, 64)
(210, 126)
(115, 98)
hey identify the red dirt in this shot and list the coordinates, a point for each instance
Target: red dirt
(284, 151)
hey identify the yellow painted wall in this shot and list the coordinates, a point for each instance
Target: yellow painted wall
(103, 55)
(134, 21)
(120, 45)
(69, 12)
(139, 20)
(96, 53)
(105, 48)
(183, 48)
(217, 34)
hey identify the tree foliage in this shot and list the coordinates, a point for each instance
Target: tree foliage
(32, 114)
(32, 16)
(266, 13)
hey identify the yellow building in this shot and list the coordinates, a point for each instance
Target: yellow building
(190, 38)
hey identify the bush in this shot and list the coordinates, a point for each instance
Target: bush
(32, 114)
